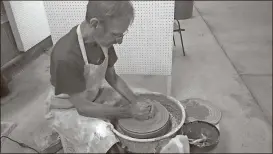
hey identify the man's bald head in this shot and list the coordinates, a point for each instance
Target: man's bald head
(103, 10)
(108, 21)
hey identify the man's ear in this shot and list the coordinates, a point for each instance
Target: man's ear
(94, 23)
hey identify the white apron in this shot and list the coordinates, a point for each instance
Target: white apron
(79, 133)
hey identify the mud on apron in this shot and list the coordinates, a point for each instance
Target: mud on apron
(79, 133)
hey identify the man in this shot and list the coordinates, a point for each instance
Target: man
(80, 61)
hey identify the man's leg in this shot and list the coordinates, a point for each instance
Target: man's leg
(117, 148)
(83, 134)
(110, 96)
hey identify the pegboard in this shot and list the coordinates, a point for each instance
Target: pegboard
(146, 48)
(28, 22)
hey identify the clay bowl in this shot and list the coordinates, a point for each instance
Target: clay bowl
(194, 131)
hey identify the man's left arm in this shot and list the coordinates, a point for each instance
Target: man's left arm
(119, 85)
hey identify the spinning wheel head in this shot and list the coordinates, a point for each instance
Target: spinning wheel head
(158, 125)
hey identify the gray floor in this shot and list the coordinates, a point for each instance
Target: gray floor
(243, 92)
(244, 31)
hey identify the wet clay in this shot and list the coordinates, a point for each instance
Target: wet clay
(197, 111)
(201, 130)
(175, 117)
(144, 105)
(156, 124)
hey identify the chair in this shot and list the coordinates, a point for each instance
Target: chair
(178, 29)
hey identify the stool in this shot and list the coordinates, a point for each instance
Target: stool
(179, 31)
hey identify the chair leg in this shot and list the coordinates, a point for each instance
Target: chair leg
(182, 44)
(181, 37)
(173, 41)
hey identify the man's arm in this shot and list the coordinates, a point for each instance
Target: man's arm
(69, 80)
(96, 110)
(119, 85)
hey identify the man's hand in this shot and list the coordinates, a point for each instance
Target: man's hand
(97, 110)
(142, 110)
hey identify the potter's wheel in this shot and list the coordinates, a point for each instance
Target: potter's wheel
(143, 129)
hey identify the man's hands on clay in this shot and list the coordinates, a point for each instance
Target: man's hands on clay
(142, 110)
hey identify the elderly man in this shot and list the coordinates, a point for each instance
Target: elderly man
(80, 61)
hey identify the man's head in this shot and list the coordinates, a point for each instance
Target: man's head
(108, 21)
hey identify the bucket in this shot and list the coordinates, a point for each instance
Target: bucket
(183, 9)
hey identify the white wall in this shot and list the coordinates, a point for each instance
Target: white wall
(28, 22)
(146, 49)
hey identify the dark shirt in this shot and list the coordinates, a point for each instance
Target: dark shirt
(67, 64)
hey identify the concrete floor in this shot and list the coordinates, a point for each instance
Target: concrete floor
(244, 32)
(206, 72)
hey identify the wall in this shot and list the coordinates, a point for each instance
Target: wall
(28, 22)
(31, 35)
(146, 49)
(8, 45)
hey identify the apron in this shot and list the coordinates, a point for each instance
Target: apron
(79, 133)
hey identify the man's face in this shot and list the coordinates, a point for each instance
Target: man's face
(112, 31)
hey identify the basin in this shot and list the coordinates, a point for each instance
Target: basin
(152, 145)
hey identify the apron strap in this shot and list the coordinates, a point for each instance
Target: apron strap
(105, 51)
(81, 43)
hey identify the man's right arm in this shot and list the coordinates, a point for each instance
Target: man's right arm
(96, 110)
(69, 80)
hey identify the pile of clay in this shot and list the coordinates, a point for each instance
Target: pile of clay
(166, 118)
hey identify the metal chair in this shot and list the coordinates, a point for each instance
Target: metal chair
(179, 31)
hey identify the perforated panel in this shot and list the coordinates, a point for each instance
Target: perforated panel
(28, 22)
(146, 49)
(63, 15)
